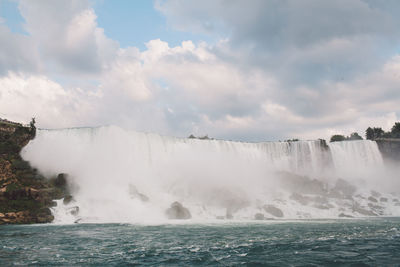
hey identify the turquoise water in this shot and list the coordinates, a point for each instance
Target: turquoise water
(366, 242)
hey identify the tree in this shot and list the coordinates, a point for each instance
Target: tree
(33, 127)
(396, 130)
(337, 137)
(369, 134)
(354, 136)
(378, 132)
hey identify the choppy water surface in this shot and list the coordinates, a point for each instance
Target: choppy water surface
(298, 243)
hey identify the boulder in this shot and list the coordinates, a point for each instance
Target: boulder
(372, 199)
(68, 199)
(273, 210)
(178, 211)
(74, 210)
(357, 208)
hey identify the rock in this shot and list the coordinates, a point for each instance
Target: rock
(395, 200)
(375, 194)
(323, 206)
(273, 210)
(177, 211)
(74, 210)
(362, 211)
(68, 199)
(342, 215)
(259, 216)
(383, 199)
(25, 195)
(60, 180)
(372, 199)
(220, 217)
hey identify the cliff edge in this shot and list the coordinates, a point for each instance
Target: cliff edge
(25, 195)
(389, 148)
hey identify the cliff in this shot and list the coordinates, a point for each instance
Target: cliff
(25, 195)
(389, 148)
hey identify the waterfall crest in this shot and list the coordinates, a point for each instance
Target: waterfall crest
(125, 176)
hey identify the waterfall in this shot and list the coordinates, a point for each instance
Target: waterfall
(126, 176)
(354, 158)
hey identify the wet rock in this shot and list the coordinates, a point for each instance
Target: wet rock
(22, 217)
(68, 199)
(61, 180)
(74, 210)
(376, 208)
(273, 210)
(259, 216)
(178, 211)
(372, 199)
(383, 199)
(363, 211)
(342, 215)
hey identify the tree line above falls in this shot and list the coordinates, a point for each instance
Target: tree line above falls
(370, 134)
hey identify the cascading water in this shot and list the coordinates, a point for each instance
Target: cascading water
(125, 176)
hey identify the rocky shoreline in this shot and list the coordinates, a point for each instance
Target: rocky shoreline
(25, 195)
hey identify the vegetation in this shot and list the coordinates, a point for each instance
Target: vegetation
(337, 138)
(372, 133)
(200, 137)
(292, 140)
(375, 133)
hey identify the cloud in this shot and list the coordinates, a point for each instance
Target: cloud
(17, 52)
(279, 70)
(68, 36)
(302, 42)
(25, 96)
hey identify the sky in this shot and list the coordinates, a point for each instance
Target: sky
(260, 70)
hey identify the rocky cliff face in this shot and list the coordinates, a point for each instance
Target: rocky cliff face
(25, 195)
(389, 148)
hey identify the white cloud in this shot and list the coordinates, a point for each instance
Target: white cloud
(67, 33)
(25, 96)
(313, 70)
